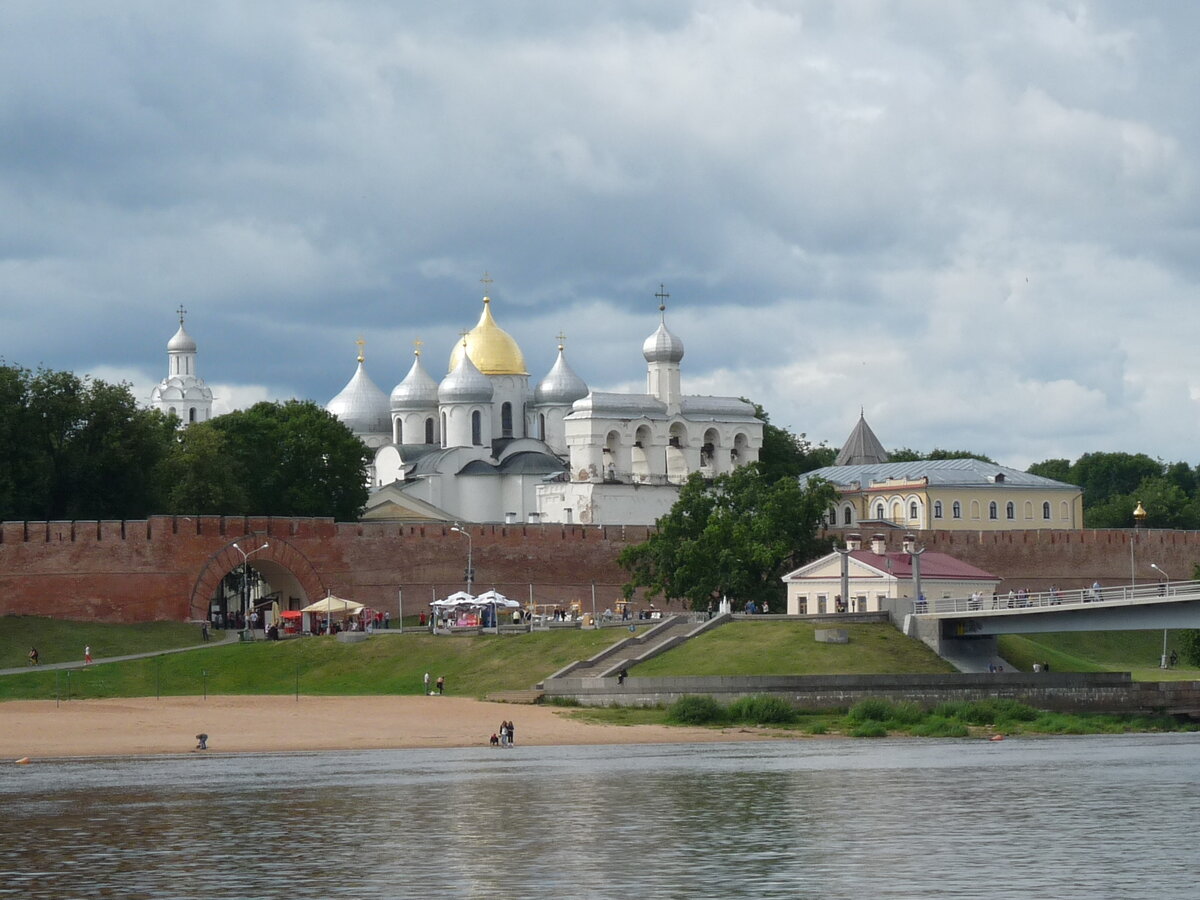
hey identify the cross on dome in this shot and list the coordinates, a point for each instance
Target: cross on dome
(361, 343)
(417, 345)
(182, 312)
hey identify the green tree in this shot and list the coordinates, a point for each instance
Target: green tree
(294, 459)
(734, 536)
(1056, 469)
(77, 448)
(199, 477)
(1105, 475)
(784, 454)
(906, 454)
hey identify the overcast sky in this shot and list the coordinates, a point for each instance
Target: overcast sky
(977, 221)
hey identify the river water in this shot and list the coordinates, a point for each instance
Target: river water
(1061, 818)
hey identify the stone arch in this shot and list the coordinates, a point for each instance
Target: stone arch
(281, 559)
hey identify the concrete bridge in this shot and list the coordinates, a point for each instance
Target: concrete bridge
(963, 629)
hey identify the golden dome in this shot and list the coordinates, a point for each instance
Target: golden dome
(490, 347)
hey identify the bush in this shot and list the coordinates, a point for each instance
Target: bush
(818, 728)
(870, 711)
(762, 710)
(700, 709)
(906, 714)
(952, 709)
(938, 726)
(869, 729)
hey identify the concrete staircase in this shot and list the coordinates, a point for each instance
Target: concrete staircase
(670, 632)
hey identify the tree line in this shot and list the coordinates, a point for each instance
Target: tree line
(82, 448)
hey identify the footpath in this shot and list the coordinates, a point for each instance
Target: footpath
(229, 637)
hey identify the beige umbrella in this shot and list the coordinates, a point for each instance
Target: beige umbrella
(331, 605)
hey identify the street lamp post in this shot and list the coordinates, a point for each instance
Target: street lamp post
(458, 529)
(1162, 663)
(247, 634)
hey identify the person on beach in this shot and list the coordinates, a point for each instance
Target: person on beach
(33, 656)
(511, 734)
(495, 740)
(87, 655)
(441, 684)
(427, 690)
(503, 734)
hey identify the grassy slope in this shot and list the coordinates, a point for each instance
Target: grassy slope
(384, 664)
(60, 640)
(790, 648)
(1137, 652)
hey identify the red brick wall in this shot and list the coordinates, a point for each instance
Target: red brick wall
(164, 567)
(155, 569)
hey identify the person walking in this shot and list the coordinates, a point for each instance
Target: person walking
(87, 655)
(427, 690)
(204, 632)
(441, 684)
(33, 656)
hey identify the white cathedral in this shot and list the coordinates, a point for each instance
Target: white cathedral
(481, 445)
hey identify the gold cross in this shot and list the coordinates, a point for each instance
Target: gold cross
(361, 343)
(418, 343)
(561, 337)
(486, 281)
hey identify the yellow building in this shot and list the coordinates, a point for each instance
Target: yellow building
(942, 494)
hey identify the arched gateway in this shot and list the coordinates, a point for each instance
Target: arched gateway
(282, 565)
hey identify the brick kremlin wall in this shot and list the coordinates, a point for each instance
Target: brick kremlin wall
(165, 567)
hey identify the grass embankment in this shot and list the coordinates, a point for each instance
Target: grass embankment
(1136, 652)
(791, 648)
(881, 718)
(384, 664)
(61, 640)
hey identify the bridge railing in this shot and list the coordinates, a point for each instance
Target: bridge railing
(1057, 599)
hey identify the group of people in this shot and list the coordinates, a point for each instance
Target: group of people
(35, 658)
(504, 737)
(441, 685)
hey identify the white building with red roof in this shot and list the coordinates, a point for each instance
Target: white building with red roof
(875, 575)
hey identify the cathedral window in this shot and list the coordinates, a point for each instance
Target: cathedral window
(847, 514)
(506, 429)
(542, 426)
(443, 429)
(477, 429)
(429, 430)
(192, 414)
(399, 435)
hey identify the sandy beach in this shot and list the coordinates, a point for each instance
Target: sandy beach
(130, 727)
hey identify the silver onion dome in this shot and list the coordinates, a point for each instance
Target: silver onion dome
(418, 390)
(362, 406)
(561, 384)
(182, 342)
(466, 384)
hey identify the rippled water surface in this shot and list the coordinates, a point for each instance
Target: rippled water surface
(1062, 818)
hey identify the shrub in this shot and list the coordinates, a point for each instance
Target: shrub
(869, 729)
(906, 714)
(938, 726)
(952, 709)
(762, 710)
(699, 709)
(870, 711)
(818, 728)
(563, 701)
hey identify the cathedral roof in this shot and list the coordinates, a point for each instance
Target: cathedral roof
(561, 384)
(862, 448)
(361, 406)
(418, 390)
(490, 347)
(465, 384)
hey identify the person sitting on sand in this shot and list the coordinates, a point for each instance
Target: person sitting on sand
(495, 740)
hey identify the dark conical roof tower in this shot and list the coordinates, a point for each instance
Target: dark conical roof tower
(862, 448)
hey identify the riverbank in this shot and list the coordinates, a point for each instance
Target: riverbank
(42, 729)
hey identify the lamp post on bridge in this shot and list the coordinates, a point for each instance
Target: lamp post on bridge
(247, 633)
(1162, 663)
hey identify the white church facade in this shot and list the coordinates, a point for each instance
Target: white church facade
(183, 392)
(484, 445)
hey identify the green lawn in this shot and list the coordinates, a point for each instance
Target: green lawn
(62, 640)
(1137, 652)
(384, 664)
(790, 648)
